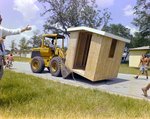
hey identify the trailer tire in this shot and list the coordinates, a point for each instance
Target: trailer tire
(37, 65)
(55, 66)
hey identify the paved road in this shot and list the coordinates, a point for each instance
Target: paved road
(124, 84)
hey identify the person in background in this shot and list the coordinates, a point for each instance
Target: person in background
(144, 89)
(143, 69)
(144, 62)
(10, 58)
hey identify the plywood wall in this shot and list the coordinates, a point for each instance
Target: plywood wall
(71, 49)
(108, 67)
(95, 48)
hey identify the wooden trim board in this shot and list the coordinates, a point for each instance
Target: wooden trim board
(103, 33)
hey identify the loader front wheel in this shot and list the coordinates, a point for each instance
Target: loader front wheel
(37, 65)
(55, 66)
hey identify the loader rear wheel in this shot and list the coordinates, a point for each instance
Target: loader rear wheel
(55, 66)
(37, 65)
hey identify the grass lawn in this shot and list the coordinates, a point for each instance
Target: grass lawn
(26, 96)
(21, 59)
(125, 69)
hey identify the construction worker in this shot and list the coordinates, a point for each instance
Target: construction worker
(3, 33)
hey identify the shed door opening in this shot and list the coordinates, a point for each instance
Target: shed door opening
(82, 50)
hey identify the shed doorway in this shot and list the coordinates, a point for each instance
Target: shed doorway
(82, 50)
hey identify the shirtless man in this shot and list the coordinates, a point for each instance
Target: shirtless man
(144, 62)
(144, 89)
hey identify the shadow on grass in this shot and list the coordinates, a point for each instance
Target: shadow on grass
(19, 98)
(9, 86)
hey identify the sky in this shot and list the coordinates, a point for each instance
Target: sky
(19, 13)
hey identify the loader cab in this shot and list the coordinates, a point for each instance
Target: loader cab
(54, 37)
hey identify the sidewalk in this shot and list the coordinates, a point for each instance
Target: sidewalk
(124, 84)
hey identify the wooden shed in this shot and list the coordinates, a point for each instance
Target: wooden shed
(136, 55)
(94, 54)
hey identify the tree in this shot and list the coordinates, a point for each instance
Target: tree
(139, 40)
(36, 40)
(63, 14)
(23, 44)
(13, 46)
(120, 30)
(47, 42)
(142, 20)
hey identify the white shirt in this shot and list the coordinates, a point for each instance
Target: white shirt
(52, 46)
(5, 32)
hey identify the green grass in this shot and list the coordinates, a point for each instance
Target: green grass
(26, 96)
(125, 69)
(20, 59)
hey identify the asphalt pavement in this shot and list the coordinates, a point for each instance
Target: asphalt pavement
(124, 84)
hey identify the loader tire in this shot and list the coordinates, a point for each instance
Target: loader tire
(37, 65)
(55, 66)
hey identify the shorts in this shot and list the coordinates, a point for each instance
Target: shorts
(143, 67)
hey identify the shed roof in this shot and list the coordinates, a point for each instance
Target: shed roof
(83, 28)
(141, 48)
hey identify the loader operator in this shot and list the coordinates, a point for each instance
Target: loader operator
(52, 46)
(3, 33)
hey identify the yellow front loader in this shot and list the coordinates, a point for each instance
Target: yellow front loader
(44, 56)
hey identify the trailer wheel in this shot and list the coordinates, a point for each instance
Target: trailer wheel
(55, 66)
(37, 65)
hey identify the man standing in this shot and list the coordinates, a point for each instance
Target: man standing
(144, 89)
(3, 33)
(144, 62)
